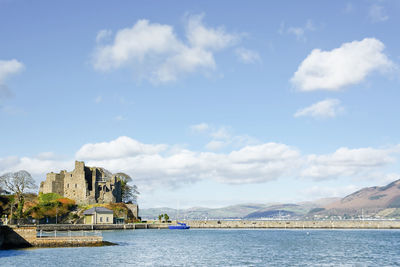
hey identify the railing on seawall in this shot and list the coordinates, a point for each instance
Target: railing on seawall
(70, 234)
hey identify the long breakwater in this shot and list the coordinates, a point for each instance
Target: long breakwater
(273, 224)
(298, 224)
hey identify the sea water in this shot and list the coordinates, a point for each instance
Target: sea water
(223, 247)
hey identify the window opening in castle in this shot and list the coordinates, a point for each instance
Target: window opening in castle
(101, 219)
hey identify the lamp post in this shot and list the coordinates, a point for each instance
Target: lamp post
(11, 215)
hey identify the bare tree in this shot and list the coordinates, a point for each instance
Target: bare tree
(129, 192)
(18, 183)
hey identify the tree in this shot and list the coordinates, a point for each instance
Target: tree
(18, 183)
(129, 192)
(160, 217)
(166, 217)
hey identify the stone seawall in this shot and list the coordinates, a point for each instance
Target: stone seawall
(16, 237)
(292, 224)
(12, 237)
(75, 241)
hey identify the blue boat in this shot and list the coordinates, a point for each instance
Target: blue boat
(179, 226)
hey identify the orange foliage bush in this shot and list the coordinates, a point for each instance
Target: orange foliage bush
(66, 201)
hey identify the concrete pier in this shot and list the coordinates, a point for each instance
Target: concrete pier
(272, 224)
(298, 224)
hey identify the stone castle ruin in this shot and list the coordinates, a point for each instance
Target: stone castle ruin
(85, 185)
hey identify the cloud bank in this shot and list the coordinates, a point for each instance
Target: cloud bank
(161, 165)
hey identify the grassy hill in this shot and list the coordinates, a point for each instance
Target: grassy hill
(374, 202)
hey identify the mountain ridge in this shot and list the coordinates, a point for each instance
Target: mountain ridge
(370, 202)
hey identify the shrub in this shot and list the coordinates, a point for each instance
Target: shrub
(49, 197)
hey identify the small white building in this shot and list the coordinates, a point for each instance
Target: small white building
(98, 215)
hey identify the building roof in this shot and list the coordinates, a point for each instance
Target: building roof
(97, 210)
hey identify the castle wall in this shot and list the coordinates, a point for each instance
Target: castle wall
(54, 183)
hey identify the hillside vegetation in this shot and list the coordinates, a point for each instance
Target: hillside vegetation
(53, 208)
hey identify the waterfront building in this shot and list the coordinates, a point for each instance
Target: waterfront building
(98, 215)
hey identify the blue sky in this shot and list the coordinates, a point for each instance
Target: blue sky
(205, 103)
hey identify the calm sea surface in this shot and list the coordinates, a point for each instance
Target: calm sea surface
(224, 248)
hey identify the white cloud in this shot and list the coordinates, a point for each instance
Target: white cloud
(349, 64)
(247, 56)
(377, 13)
(221, 137)
(328, 108)
(215, 145)
(103, 35)
(221, 133)
(251, 164)
(121, 147)
(207, 38)
(299, 32)
(159, 165)
(346, 162)
(37, 166)
(188, 60)
(200, 128)
(388, 178)
(316, 192)
(9, 67)
(135, 44)
(155, 52)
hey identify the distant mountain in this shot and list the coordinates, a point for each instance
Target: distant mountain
(373, 201)
(281, 211)
(201, 213)
(377, 202)
(242, 211)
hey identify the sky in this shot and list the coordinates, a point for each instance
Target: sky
(204, 103)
